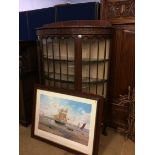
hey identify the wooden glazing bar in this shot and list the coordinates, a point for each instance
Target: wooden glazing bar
(42, 61)
(53, 62)
(97, 63)
(67, 63)
(47, 61)
(89, 61)
(108, 72)
(39, 59)
(78, 65)
(60, 60)
(104, 66)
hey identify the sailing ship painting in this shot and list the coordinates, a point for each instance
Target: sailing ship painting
(61, 117)
(66, 118)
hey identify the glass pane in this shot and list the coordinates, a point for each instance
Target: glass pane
(50, 67)
(64, 71)
(107, 48)
(106, 71)
(105, 90)
(101, 70)
(49, 46)
(57, 68)
(93, 89)
(56, 48)
(71, 68)
(100, 89)
(70, 86)
(93, 68)
(94, 49)
(71, 52)
(44, 47)
(85, 49)
(85, 71)
(46, 82)
(57, 84)
(49, 82)
(63, 49)
(45, 66)
(85, 88)
(102, 49)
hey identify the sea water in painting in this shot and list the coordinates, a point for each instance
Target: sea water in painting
(65, 118)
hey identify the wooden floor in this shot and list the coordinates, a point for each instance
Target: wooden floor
(112, 144)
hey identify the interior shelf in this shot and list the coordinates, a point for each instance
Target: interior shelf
(70, 78)
(87, 80)
(93, 60)
(60, 59)
(60, 77)
(84, 60)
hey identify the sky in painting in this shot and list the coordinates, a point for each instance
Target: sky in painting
(78, 112)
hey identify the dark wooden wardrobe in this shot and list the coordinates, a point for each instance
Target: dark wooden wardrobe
(121, 13)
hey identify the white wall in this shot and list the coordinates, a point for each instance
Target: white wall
(25, 5)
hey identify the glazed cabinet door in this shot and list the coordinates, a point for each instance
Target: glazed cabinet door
(58, 61)
(95, 65)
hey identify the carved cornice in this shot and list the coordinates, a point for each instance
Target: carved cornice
(121, 9)
(118, 10)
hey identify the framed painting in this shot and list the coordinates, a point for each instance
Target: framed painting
(68, 120)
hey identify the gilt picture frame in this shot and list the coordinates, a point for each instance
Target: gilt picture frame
(69, 120)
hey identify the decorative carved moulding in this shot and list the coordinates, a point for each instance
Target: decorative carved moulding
(118, 11)
(124, 106)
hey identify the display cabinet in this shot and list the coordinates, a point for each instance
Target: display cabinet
(75, 55)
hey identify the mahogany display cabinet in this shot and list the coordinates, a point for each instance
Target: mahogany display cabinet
(75, 55)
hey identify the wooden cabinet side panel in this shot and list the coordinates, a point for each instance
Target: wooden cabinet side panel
(122, 68)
